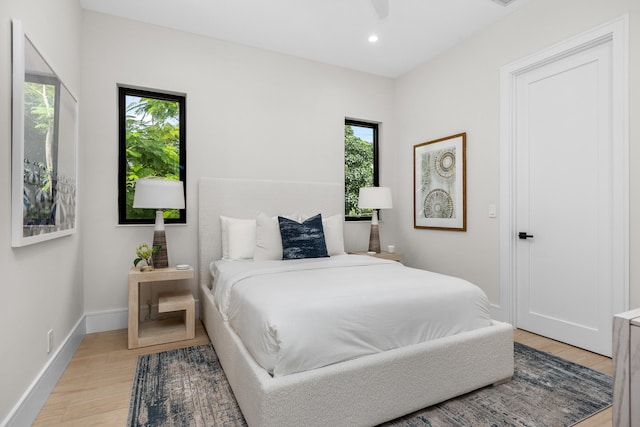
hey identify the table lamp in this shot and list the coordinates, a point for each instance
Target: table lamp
(159, 194)
(374, 198)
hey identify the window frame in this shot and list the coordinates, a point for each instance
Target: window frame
(376, 166)
(181, 99)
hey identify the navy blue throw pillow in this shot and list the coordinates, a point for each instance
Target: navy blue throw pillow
(304, 240)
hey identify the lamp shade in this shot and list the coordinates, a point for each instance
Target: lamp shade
(375, 198)
(158, 193)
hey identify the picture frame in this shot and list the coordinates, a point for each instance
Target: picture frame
(439, 184)
(44, 147)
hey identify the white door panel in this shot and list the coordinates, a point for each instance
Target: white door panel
(564, 185)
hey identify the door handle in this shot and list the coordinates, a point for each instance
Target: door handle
(523, 235)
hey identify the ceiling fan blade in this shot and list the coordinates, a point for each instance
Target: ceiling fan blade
(381, 7)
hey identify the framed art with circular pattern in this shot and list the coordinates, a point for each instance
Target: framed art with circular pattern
(439, 182)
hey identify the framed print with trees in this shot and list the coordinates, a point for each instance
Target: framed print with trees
(439, 184)
(44, 145)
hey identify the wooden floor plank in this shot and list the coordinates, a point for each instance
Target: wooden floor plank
(94, 389)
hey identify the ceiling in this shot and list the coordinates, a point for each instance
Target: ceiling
(329, 31)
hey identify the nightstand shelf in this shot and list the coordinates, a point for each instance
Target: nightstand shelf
(152, 332)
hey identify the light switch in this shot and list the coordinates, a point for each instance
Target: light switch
(492, 211)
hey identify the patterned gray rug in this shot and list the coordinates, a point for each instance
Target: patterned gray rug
(187, 387)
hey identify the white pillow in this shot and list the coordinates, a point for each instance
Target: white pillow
(334, 234)
(238, 238)
(333, 227)
(268, 241)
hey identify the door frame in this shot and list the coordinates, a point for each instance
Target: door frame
(615, 31)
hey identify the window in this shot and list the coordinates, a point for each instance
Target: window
(152, 143)
(360, 165)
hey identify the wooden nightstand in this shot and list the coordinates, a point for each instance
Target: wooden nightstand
(384, 255)
(142, 334)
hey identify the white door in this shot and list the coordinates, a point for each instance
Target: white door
(564, 205)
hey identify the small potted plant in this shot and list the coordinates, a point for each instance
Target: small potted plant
(145, 253)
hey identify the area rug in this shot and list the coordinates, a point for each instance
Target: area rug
(187, 387)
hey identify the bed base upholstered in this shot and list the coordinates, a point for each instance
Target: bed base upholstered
(359, 392)
(364, 391)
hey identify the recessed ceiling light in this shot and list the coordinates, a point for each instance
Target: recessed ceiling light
(373, 38)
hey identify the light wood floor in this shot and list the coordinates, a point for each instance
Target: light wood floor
(94, 389)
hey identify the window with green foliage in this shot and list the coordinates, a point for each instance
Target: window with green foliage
(152, 143)
(360, 165)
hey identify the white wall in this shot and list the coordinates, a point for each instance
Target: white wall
(459, 92)
(250, 114)
(41, 284)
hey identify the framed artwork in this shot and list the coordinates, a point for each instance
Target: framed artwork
(44, 145)
(439, 184)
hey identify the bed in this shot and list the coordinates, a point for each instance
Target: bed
(362, 391)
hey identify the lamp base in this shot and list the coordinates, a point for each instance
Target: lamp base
(374, 239)
(160, 259)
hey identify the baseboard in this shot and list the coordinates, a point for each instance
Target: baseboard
(34, 398)
(110, 320)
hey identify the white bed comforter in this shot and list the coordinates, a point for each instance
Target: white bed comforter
(298, 315)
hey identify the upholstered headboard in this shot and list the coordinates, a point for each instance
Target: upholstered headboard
(244, 198)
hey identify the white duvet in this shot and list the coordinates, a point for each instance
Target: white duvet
(298, 315)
